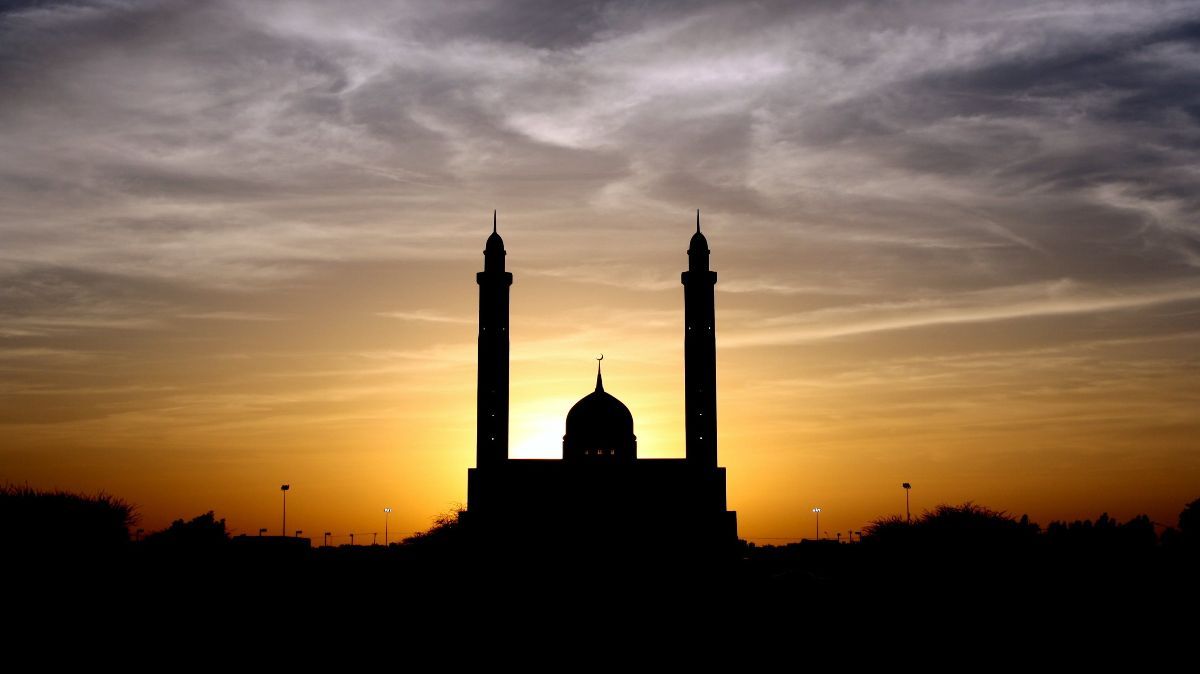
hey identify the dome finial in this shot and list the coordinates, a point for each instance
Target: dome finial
(697, 220)
(599, 381)
(494, 220)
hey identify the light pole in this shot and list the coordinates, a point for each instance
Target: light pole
(818, 512)
(351, 539)
(298, 532)
(326, 539)
(262, 531)
(386, 512)
(907, 512)
(284, 488)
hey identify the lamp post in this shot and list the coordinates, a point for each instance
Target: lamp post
(298, 532)
(386, 512)
(818, 513)
(284, 488)
(326, 539)
(907, 512)
(262, 531)
(352, 539)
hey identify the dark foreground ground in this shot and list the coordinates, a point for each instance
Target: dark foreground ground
(966, 609)
(961, 586)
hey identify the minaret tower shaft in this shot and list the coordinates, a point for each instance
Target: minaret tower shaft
(700, 353)
(491, 412)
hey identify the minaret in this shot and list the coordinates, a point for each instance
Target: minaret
(491, 412)
(700, 354)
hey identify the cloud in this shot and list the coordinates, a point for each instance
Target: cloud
(230, 316)
(1003, 304)
(423, 315)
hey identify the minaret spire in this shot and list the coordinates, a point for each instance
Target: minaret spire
(700, 353)
(491, 413)
(599, 381)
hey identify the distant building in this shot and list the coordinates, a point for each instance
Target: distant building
(270, 546)
(600, 494)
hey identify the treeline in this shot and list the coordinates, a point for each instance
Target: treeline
(971, 524)
(54, 520)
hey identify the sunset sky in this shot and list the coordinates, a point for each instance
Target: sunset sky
(958, 246)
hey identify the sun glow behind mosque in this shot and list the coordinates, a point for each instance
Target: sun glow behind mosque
(537, 426)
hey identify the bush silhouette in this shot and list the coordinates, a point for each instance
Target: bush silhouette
(967, 524)
(447, 531)
(40, 520)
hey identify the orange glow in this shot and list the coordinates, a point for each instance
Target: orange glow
(358, 409)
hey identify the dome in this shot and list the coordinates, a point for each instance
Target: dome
(494, 244)
(599, 427)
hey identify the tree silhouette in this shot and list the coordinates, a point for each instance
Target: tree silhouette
(199, 532)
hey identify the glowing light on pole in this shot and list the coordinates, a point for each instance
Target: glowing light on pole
(818, 513)
(386, 512)
(907, 511)
(284, 488)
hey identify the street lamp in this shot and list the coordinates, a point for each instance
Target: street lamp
(298, 532)
(818, 512)
(327, 534)
(386, 512)
(262, 531)
(351, 539)
(284, 488)
(907, 512)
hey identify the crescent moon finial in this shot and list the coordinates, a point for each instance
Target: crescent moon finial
(601, 357)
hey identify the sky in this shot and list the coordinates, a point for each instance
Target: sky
(957, 246)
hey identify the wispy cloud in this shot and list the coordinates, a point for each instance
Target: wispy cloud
(231, 316)
(998, 304)
(423, 315)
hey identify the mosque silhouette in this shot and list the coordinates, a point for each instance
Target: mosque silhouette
(600, 494)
